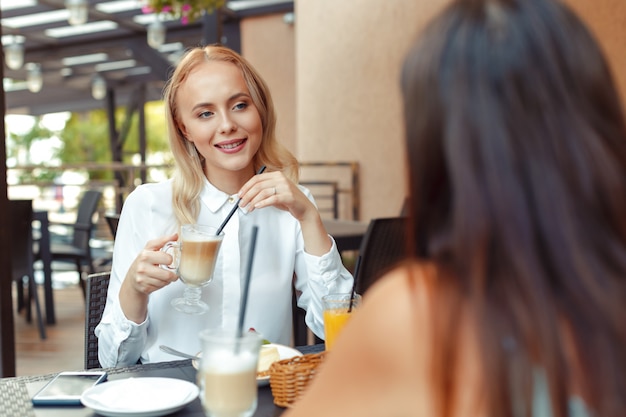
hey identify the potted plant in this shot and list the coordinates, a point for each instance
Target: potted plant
(186, 10)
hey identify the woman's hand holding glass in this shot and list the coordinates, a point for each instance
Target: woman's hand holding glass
(144, 277)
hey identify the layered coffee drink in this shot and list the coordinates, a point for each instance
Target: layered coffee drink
(194, 258)
(197, 260)
(230, 389)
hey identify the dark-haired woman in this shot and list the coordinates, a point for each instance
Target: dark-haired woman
(513, 304)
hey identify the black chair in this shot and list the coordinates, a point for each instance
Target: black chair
(112, 220)
(22, 259)
(78, 250)
(97, 287)
(382, 247)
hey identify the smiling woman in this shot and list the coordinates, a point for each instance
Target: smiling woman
(221, 126)
(218, 116)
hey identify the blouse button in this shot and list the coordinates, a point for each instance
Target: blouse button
(231, 199)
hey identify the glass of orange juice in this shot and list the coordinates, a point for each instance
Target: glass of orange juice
(336, 314)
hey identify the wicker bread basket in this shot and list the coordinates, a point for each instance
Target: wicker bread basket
(290, 377)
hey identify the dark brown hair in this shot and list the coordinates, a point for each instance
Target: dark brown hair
(517, 162)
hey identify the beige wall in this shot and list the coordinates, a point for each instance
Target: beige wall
(348, 101)
(334, 78)
(269, 44)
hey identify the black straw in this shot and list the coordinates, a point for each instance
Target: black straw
(219, 229)
(246, 286)
(356, 274)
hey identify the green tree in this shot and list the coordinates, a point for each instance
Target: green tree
(156, 132)
(21, 144)
(156, 129)
(86, 137)
(20, 148)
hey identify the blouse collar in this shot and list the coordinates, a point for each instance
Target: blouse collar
(215, 199)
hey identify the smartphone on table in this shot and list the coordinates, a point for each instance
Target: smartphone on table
(66, 388)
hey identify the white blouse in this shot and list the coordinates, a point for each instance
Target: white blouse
(279, 259)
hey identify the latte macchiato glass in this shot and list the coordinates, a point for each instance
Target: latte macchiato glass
(196, 254)
(227, 374)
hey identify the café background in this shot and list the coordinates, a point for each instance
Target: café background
(334, 79)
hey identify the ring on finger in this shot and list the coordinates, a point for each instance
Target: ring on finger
(273, 190)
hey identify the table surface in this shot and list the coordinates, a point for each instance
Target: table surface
(16, 393)
(347, 233)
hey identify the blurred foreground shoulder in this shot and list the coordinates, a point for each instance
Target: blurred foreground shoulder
(397, 306)
(381, 355)
(407, 280)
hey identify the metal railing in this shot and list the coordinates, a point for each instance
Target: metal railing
(347, 177)
(117, 180)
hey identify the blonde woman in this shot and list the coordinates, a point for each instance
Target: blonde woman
(221, 125)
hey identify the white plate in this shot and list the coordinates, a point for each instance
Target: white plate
(284, 352)
(140, 397)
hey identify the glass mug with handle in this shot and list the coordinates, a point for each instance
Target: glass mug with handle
(195, 255)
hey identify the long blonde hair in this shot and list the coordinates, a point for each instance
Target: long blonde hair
(189, 176)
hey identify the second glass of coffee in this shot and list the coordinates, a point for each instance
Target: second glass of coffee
(227, 374)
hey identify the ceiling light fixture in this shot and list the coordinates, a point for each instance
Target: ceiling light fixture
(156, 33)
(98, 87)
(289, 18)
(34, 79)
(79, 12)
(14, 54)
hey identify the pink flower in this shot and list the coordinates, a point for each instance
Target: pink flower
(166, 9)
(147, 9)
(186, 7)
(184, 20)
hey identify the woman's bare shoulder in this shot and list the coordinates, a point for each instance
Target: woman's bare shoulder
(403, 290)
(393, 333)
(400, 278)
(381, 344)
(398, 302)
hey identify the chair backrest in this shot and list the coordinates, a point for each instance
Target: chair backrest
(382, 247)
(84, 218)
(112, 220)
(326, 194)
(97, 287)
(22, 256)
